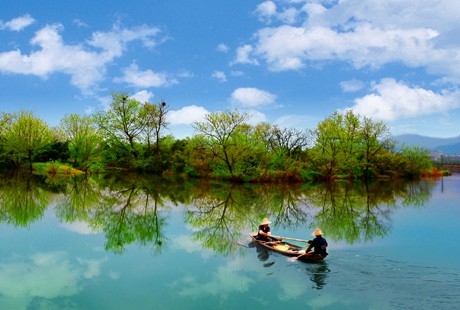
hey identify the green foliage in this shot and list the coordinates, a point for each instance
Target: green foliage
(347, 146)
(25, 137)
(121, 123)
(135, 209)
(134, 129)
(416, 160)
(234, 145)
(55, 167)
(84, 140)
(130, 135)
(54, 151)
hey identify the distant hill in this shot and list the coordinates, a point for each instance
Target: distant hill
(447, 146)
(451, 149)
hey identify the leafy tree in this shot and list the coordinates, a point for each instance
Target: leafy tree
(155, 156)
(154, 119)
(27, 136)
(349, 145)
(417, 159)
(327, 153)
(290, 141)
(83, 137)
(376, 139)
(222, 134)
(54, 151)
(121, 124)
(6, 121)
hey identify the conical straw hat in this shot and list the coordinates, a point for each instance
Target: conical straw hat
(265, 221)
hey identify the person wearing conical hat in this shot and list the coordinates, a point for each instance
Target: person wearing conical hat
(264, 230)
(319, 244)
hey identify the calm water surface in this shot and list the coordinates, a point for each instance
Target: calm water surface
(51, 264)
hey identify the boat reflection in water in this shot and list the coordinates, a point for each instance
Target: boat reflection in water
(316, 271)
(262, 253)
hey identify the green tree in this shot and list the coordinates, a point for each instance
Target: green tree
(84, 139)
(121, 125)
(27, 136)
(327, 152)
(6, 121)
(348, 145)
(376, 140)
(290, 141)
(224, 135)
(154, 119)
(229, 144)
(156, 151)
(416, 159)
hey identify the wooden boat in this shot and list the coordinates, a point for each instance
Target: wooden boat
(288, 249)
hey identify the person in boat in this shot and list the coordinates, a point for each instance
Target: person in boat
(317, 245)
(264, 231)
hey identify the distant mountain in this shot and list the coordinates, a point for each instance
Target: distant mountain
(451, 149)
(447, 146)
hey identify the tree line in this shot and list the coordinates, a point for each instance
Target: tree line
(132, 135)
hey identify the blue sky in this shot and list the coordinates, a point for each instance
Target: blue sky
(290, 62)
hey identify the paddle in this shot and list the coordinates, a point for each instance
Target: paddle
(293, 239)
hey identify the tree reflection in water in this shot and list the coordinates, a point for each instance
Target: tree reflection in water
(22, 199)
(134, 209)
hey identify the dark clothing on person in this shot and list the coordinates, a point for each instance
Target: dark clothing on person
(319, 245)
(265, 229)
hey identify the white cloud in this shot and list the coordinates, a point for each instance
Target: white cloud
(243, 55)
(43, 275)
(256, 117)
(314, 10)
(393, 100)
(79, 23)
(295, 121)
(185, 243)
(148, 78)
(288, 16)
(266, 10)
(220, 76)
(237, 73)
(18, 23)
(114, 42)
(86, 65)
(397, 13)
(223, 48)
(185, 74)
(186, 115)
(93, 267)
(289, 48)
(252, 97)
(237, 276)
(226, 280)
(351, 85)
(22, 281)
(416, 34)
(79, 227)
(143, 96)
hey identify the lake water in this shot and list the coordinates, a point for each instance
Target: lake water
(59, 260)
